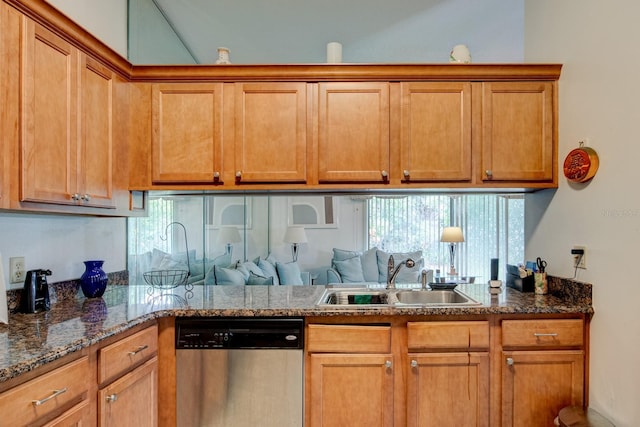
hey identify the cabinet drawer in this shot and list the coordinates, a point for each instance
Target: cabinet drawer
(348, 339)
(120, 357)
(47, 394)
(454, 335)
(542, 333)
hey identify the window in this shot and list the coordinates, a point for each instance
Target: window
(493, 227)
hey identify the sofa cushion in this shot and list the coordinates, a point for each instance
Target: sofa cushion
(268, 269)
(406, 275)
(227, 276)
(255, 279)
(289, 273)
(248, 267)
(350, 269)
(368, 261)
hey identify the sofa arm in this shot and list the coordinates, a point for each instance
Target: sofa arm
(333, 276)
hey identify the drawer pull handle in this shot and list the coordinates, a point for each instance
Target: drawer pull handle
(53, 395)
(538, 334)
(112, 398)
(138, 350)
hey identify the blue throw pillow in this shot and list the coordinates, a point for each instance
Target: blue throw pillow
(350, 270)
(227, 276)
(289, 273)
(269, 270)
(255, 279)
(248, 267)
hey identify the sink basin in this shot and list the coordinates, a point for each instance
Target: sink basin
(434, 297)
(362, 298)
(354, 297)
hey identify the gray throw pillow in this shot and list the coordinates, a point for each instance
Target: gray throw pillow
(255, 279)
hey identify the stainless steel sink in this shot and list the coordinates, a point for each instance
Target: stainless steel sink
(434, 297)
(363, 298)
(354, 297)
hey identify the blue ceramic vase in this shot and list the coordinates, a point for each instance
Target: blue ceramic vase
(94, 280)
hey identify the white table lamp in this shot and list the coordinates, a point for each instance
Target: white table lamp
(452, 235)
(229, 235)
(295, 236)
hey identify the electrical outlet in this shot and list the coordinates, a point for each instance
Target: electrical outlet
(16, 269)
(580, 261)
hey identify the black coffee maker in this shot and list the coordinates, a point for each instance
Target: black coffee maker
(35, 295)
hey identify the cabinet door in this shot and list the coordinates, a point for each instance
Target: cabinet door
(186, 141)
(131, 400)
(49, 125)
(353, 139)
(435, 136)
(448, 389)
(351, 390)
(270, 132)
(518, 131)
(537, 384)
(95, 144)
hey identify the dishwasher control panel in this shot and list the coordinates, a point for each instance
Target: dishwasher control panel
(239, 333)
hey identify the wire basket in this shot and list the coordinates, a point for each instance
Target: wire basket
(166, 279)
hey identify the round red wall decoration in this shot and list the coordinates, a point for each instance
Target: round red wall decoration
(581, 164)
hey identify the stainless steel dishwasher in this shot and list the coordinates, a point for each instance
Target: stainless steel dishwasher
(237, 372)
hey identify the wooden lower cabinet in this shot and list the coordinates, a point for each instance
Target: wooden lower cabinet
(78, 416)
(351, 390)
(132, 399)
(537, 384)
(448, 389)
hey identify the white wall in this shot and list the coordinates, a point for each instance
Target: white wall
(107, 20)
(597, 43)
(61, 243)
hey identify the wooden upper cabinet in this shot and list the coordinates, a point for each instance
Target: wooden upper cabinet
(518, 132)
(67, 138)
(435, 140)
(270, 132)
(186, 141)
(96, 144)
(49, 110)
(353, 132)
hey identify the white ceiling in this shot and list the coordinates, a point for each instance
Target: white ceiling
(297, 31)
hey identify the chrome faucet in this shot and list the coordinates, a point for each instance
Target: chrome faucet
(392, 270)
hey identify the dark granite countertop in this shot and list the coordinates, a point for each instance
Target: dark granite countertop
(73, 323)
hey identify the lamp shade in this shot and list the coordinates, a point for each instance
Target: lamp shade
(452, 234)
(295, 235)
(229, 235)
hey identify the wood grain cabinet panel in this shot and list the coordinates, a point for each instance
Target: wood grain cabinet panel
(518, 132)
(537, 384)
(435, 140)
(186, 141)
(270, 132)
(353, 132)
(67, 137)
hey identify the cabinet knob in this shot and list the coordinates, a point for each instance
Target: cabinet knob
(509, 361)
(112, 398)
(216, 175)
(489, 173)
(239, 175)
(384, 174)
(75, 197)
(406, 173)
(388, 364)
(414, 363)
(86, 198)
